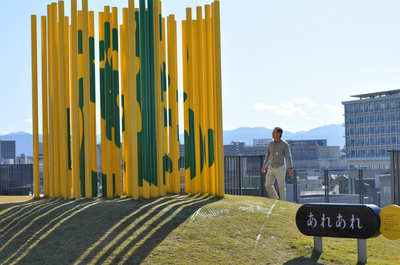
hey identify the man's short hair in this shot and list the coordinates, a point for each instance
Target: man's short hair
(279, 130)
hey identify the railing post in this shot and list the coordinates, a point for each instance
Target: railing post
(295, 186)
(361, 186)
(261, 178)
(326, 179)
(393, 176)
(240, 175)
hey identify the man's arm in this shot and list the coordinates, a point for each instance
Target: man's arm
(266, 159)
(288, 156)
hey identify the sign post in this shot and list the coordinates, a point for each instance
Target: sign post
(360, 221)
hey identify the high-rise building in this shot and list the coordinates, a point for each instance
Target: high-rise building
(372, 127)
(8, 150)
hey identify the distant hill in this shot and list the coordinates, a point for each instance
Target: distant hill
(333, 133)
(24, 142)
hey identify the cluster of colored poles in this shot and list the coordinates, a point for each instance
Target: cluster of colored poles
(138, 101)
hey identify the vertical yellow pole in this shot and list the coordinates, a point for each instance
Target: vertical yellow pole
(201, 101)
(46, 160)
(165, 112)
(206, 169)
(133, 162)
(127, 106)
(70, 110)
(177, 186)
(191, 97)
(196, 105)
(51, 101)
(173, 106)
(218, 89)
(86, 99)
(63, 107)
(159, 104)
(75, 100)
(103, 59)
(210, 100)
(117, 150)
(35, 115)
(186, 107)
(92, 102)
(108, 154)
(68, 102)
(124, 96)
(123, 107)
(82, 161)
(56, 105)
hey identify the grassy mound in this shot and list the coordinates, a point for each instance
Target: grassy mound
(175, 229)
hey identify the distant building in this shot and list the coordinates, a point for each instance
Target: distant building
(24, 159)
(234, 149)
(306, 154)
(8, 151)
(181, 150)
(372, 127)
(261, 142)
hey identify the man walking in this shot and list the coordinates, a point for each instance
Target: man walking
(277, 150)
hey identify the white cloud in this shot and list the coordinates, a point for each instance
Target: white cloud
(333, 109)
(289, 112)
(296, 107)
(28, 120)
(262, 106)
(299, 103)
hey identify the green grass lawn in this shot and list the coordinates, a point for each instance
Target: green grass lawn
(175, 229)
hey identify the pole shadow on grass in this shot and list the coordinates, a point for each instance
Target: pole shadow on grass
(313, 260)
(135, 243)
(179, 213)
(91, 231)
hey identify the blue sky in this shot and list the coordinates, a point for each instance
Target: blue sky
(285, 63)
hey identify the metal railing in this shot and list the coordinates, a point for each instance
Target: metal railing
(16, 179)
(243, 176)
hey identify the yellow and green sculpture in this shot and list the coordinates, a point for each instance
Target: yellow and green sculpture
(138, 88)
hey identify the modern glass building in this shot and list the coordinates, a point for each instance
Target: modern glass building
(372, 127)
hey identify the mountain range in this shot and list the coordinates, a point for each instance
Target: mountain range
(333, 133)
